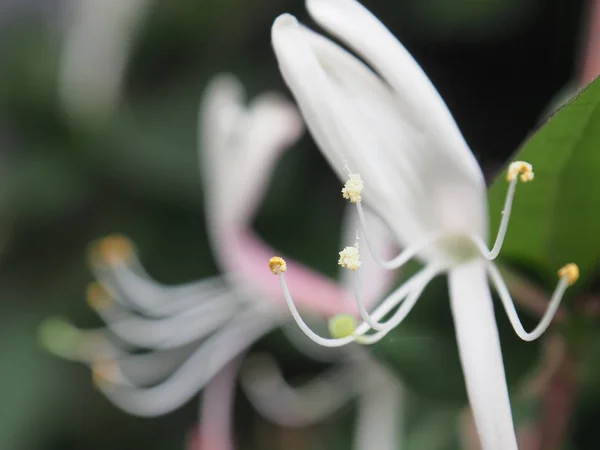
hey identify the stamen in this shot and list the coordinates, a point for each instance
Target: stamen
(406, 255)
(326, 342)
(353, 188)
(424, 277)
(570, 272)
(111, 250)
(350, 258)
(414, 285)
(520, 168)
(516, 170)
(277, 265)
(399, 294)
(568, 275)
(341, 326)
(97, 297)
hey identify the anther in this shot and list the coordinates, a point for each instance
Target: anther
(350, 258)
(570, 272)
(97, 297)
(341, 326)
(353, 188)
(277, 265)
(104, 371)
(111, 250)
(520, 169)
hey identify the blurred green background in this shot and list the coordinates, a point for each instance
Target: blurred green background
(73, 172)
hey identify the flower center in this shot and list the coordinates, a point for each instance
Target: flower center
(458, 248)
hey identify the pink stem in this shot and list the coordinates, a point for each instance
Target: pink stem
(214, 431)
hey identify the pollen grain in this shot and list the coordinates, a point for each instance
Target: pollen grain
(520, 169)
(97, 297)
(570, 272)
(350, 258)
(277, 265)
(353, 188)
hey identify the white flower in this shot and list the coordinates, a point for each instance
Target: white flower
(393, 128)
(195, 334)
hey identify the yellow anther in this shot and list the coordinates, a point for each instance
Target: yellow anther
(570, 272)
(353, 188)
(104, 371)
(520, 169)
(350, 258)
(341, 326)
(97, 297)
(277, 265)
(111, 250)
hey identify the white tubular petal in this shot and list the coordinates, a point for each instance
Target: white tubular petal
(380, 416)
(420, 102)
(481, 356)
(360, 123)
(144, 369)
(129, 285)
(240, 146)
(214, 353)
(94, 57)
(173, 331)
(299, 406)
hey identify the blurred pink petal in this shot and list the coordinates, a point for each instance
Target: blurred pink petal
(216, 411)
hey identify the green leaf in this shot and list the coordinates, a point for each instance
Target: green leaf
(555, 218)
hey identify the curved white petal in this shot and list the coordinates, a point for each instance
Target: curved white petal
(481, 356)
(298, 406)
(94, 58)
(416, 186)
(380, 419)
(199, 369)
(240, 146)
(417, 98)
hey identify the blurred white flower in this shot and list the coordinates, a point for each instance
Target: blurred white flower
(98, 39)
(194, 335)
(386, 130)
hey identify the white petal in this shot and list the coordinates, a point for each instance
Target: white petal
(380, 422)
(297, 406)
(357, 120)
(198, 370)
(481, 356)
(417, 97)
(240, 146)
(94, 58)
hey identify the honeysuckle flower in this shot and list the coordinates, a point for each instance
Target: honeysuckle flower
(194, 334)
(385, 129)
